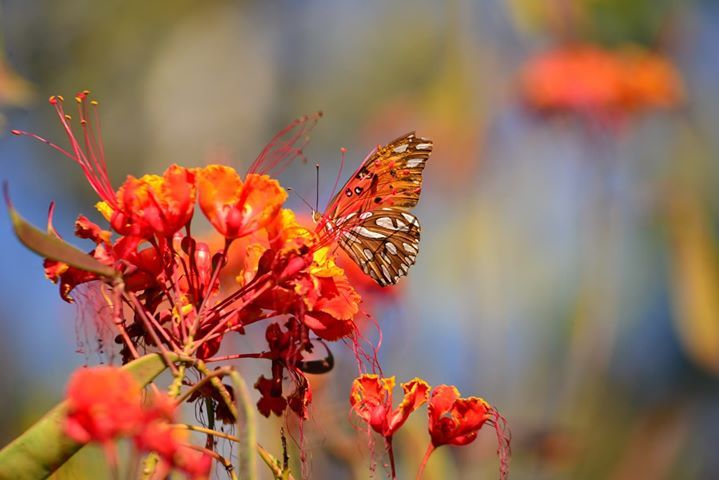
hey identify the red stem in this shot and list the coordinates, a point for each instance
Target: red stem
(430, 449)
(390, 451)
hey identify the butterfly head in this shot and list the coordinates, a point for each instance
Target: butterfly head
(316, 216)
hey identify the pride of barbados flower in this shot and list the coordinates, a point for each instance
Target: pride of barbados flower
(105, 404)
(605, 84)
(162, 289)
(371, 400)
(452, 420)
(234, 208)
(171, 278)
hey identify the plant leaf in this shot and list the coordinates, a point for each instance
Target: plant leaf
(54, 248)
(44, 447)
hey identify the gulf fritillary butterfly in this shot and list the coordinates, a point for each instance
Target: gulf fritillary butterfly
(369, 215)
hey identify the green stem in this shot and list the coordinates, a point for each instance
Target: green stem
(44, 447)
(246, 454)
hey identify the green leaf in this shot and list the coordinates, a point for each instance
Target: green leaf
(44, 447)
(52, 247)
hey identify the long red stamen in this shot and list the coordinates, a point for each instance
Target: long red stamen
(94, 167)
(284, 147)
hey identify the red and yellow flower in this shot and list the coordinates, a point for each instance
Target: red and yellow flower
(153, 204)
(236, 208)
(371, 400)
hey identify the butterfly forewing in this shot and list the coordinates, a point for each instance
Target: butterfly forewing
(391, 176)
(384, 244)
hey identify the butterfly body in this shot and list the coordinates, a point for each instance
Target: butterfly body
(369, 215)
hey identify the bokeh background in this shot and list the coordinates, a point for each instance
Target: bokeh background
(569, 270)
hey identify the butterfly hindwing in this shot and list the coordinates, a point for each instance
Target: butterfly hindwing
(384, 243)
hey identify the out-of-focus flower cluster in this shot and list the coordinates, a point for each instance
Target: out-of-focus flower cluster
(105, 404)
(591, 80)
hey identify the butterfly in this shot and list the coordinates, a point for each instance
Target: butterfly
(369, 215)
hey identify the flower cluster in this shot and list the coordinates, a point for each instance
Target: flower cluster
(588, 79)
(171, 292)
(452, 420)
(170, 299)
(105, 404)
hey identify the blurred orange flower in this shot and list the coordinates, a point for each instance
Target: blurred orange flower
(102, 404)
(589, 79)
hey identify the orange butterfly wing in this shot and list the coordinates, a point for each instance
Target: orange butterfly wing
(369, 216)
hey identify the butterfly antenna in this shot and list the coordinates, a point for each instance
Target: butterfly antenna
(317, 188)
(343, 152)
(309, 205)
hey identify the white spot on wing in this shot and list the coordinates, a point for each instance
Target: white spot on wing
(423, 146)
(391, 248)
(401, 149)
(350, 237)
(385, 222)
(409, 248)
(415, 162)
(365, 215)
(368, 254)
(412, 220)
(366, 232)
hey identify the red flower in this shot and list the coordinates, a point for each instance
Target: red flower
(103, 403)
(371, 400)
(140, 268)
(310, 285)
(171, 445)
(578, 78)
(153, 204)
(271, 400)
(235, 208)
(456, 421)
(589, 79)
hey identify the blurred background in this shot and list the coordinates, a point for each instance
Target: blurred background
(569, 271)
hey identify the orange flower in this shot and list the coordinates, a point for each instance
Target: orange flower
(592, 80)
(454, 420)
(153, 204)
(312, 287)
(371, 400)
(650, 81)
(102, 403)
(575, 78)
(235, 208)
